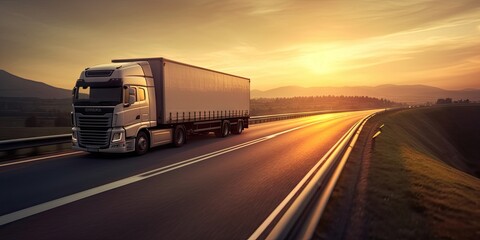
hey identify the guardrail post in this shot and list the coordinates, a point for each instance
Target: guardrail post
(374, 138)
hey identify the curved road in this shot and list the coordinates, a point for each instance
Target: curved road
(210, 188)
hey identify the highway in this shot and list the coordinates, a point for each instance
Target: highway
(211, 188)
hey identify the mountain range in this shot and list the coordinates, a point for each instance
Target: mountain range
(14, 86)
(397, 93)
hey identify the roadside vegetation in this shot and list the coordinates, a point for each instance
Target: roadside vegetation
(266, 106)
(420, 179)
(423, 177)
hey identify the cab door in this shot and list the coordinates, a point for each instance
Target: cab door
(142, 100)
(132, 115)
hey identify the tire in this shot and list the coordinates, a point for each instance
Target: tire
(224, 130)
(179, 136)
(141, 143)
(238, 129)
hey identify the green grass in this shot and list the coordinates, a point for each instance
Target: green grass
(417, 187)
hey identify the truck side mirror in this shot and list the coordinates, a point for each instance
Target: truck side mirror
(132, 97)
(131, 100)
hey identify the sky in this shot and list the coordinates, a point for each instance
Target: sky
(273, 42)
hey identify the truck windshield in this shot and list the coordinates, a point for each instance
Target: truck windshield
(98, 96)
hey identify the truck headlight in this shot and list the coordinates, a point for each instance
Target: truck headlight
(117, 137)
(74, 136)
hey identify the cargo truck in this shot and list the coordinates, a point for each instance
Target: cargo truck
(131, 105)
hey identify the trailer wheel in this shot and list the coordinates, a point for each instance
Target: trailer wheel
(224, 130)
(239, 128)
(179, 136)
(141, 143)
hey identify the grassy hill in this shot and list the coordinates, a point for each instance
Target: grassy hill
(420, 179)
(423, 176)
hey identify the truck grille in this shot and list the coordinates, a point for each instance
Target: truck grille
(94, 130)
(94, 138)
(92, 121)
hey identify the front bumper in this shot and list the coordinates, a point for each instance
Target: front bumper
(120, 146)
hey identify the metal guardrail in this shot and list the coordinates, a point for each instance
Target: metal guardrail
(14, 144)
(277, 117)
(33, 142)
(301, 218)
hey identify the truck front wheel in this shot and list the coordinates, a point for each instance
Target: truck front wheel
(179, 136)
(141, 143)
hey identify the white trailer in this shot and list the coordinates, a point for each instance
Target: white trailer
(135, 104)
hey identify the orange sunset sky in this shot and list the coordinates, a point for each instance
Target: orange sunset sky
(275, 43)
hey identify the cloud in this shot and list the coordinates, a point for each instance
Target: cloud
(274, 42)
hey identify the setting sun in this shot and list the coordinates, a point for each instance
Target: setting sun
(276, 43)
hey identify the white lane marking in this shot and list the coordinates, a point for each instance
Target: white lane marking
(290, 196)
(14, 216)
(40, 158)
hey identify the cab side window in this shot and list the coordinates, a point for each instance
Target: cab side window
(141, 94)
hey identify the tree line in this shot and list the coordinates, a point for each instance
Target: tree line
(265, 106)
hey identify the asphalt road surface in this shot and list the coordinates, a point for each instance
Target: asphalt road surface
(211, 188)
